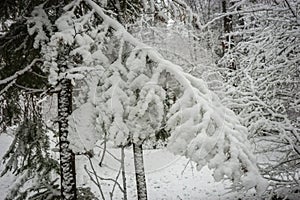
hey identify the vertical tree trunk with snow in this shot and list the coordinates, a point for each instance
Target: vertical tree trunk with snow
(67, 157)
(139, 171)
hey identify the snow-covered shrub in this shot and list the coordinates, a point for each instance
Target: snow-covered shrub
(264, 89)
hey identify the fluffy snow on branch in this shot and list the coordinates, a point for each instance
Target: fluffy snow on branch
(36, 24)
(111, 102)
(83, 135)
(131, 94)
(201, 127)
(208, 133)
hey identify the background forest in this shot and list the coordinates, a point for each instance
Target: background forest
(91, 86)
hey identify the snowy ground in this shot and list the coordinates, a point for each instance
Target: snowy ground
(6, 180)
(168, 177)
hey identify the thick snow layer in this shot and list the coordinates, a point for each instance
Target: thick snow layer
(82, 128)
(36, 24)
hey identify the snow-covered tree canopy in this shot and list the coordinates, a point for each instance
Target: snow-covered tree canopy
(264, 89)
(126, 89)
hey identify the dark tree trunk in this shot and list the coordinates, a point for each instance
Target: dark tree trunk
(228, 41)
(227, 23)
(139, 171)
(67, 157)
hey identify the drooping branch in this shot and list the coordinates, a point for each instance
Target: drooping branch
(201, 127)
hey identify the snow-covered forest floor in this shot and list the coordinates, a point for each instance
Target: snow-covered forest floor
(168, 176)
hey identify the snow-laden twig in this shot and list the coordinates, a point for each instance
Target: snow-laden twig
(20, 72)
(8, 86)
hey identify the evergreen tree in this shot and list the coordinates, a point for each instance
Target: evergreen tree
(28, 157)
(21, 73)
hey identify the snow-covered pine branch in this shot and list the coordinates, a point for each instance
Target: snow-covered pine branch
(82, 53)
(36, 25)
(208, 133)
(20, 72)
(131, 93)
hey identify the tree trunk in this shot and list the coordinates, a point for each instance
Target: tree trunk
(123, 173)
(228, 42)
(227, 24)
(139, 171)
(67, 157)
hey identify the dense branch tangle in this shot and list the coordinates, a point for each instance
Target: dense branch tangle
(264, 89)
(127, 12)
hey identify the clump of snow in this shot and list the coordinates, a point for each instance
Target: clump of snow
(36, 25)
(82, 133)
